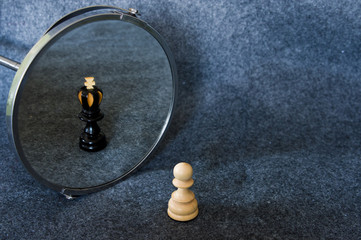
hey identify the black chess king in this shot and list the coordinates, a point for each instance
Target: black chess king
(90, 97)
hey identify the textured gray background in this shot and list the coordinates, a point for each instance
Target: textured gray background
(268, 115)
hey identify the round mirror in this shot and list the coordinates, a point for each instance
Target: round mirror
(130, 65)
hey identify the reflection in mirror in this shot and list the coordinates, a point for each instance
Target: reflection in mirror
(134, 73)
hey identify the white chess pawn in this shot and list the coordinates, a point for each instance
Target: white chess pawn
(183, 206)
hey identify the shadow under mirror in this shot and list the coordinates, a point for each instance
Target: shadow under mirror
(133, 71)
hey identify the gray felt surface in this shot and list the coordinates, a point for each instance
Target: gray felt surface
(269, 117)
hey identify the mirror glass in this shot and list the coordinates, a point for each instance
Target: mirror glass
(133, 71)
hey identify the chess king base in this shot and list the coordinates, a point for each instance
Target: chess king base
(87, 143)
(92, 139)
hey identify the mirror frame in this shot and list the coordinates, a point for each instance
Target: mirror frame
(58, 29)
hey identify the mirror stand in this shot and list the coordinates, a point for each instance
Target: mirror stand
(9, 63)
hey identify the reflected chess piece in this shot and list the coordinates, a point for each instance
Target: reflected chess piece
(90, 97)
(183, 206)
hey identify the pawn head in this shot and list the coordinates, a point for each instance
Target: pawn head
(183, 171)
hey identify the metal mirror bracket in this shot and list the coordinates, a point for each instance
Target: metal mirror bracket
(9, 63)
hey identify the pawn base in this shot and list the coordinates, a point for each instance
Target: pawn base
(182, 218)
(92, 144)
